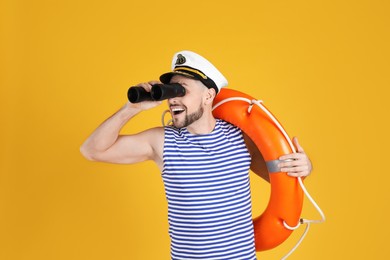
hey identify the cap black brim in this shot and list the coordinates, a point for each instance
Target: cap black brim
(209, 83)
(166, 77)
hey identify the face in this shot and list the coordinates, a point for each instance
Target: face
(189, 108)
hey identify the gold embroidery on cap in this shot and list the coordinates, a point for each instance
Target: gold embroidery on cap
(183, 73)
(192, 70)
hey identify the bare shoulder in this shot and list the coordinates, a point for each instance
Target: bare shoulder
(156, 133)
(155, 138)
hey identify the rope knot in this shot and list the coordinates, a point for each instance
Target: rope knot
(254, 102)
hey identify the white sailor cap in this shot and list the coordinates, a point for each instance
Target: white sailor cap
(192, 65)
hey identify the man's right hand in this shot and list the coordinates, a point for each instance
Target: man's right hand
(145, 105)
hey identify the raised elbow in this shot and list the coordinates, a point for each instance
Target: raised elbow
(87, 153)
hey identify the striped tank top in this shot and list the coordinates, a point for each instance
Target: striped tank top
(206, 179)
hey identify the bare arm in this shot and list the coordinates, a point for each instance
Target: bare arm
(106, 145)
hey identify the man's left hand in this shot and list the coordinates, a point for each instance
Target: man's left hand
(296, 164)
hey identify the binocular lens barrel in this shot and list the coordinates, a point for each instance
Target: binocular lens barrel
(157, 93)
(138, 94)
(165, 91)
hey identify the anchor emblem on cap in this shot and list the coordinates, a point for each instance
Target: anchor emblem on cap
(180, 59)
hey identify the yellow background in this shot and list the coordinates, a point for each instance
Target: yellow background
(321, 66)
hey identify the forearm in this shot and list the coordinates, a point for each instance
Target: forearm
(107, 133)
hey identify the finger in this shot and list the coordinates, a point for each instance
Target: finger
(296, 169)
(154, 82)
(297, 146)
(145, 85)
(293, 163)
(292, 156)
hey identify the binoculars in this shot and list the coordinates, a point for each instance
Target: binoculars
(157, 93)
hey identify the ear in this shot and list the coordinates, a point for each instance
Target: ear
(210, 95)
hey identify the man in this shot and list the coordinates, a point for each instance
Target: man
(204, 163)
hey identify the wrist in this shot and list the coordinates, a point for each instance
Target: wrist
(129, 110)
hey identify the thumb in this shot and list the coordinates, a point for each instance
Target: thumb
(297, 146)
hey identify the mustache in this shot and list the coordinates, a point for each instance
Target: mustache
(177, 105)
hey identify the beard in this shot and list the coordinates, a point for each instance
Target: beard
(189, 119)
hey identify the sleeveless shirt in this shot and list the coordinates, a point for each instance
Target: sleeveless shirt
(206, 180)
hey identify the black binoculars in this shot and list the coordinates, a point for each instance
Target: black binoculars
(157, 93)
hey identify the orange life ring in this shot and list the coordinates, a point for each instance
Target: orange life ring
(286, 198)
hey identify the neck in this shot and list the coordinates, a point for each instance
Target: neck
(204, 125)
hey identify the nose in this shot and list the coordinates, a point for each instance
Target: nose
(173, 101)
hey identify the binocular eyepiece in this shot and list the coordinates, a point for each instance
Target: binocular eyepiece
(157, 93)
